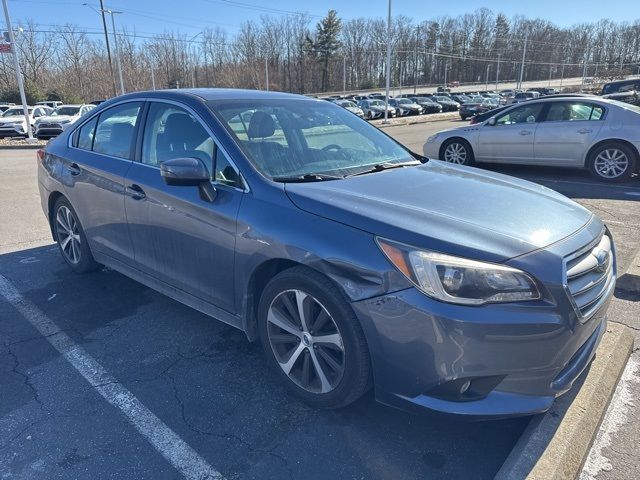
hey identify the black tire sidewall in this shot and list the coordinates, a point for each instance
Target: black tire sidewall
(86, 263)
(356, 354)
(631, 156)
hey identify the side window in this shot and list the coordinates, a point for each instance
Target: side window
(224, 172)
(523, 114)
(86, 134)
(574, 112)
(115, 129)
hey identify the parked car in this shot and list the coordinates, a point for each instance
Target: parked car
(598, 134)
(470, 109)
(361, 97)
(405, 106)
(6, 106)
(50, 103)
(427, 104)
(336, 250)
(49, 126)
(13, 124)
(460, 98)
(448, 105)
(524, 96)
(374, 108)
(443, 89)
(481, 117)
(627, 91)
(351, 107)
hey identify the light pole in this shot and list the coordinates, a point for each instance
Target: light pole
(117, 46)
(497, 72)
(388, 72)
(195, 59)
(524, 53)
(344, 74)
(266, 71)
(101, 12)
(486, 79)
(14, 49)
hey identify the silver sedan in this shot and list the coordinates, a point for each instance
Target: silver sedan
(579, 132)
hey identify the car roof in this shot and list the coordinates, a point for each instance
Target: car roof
(212, 94)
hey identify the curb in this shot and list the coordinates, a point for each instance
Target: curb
(555, 445)
(630, 280)
(433, 117)
(21, 147)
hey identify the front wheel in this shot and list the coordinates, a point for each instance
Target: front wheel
(457, 151)
(612, 162)
(313, 340)
(71, 239)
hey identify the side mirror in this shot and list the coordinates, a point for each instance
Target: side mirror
(188, 172)
(492, 121)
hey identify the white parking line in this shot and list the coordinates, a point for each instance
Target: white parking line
(616, 416)
(191, 465)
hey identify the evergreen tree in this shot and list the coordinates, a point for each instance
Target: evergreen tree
(327, 42)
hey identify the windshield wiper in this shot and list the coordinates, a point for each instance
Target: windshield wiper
(307, 177)
(379, 167)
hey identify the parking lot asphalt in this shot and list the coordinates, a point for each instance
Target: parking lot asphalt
(200, 378)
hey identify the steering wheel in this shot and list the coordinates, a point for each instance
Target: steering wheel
(331, 146)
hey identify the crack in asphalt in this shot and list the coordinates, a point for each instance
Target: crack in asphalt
(26, 377)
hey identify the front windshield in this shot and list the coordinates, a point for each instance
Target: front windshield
(377, 103)
(442, 99)
(293, 138)
(66, 111)
(15, 111)
(347, 104)
(404, 100)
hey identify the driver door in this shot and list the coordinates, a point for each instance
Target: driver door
(511, 139)
(179, 238)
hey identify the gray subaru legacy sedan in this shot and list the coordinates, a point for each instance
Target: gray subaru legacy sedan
(355, 262)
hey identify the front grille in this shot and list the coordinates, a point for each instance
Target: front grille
(590, 275)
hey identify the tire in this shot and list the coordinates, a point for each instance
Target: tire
(612, 162)
(370, 115)
(74, 248)
(347, 371)
(457, 150)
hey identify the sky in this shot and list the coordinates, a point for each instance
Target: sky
(192, 16)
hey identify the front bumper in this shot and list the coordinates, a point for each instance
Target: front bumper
(16, 131)
(521, 356)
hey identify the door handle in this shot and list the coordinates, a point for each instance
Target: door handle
(585, 130)
(525, 132)
(136, 192)
(74, 169)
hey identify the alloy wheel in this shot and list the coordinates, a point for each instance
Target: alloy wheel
(68, 233)
(611, 163)
(455, 153)
(306, 341)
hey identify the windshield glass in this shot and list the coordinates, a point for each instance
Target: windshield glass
(293, 138)
(404, 100)
(66, 111)
(347, 103)
(15, 111)
(377, 103)
(442, 99)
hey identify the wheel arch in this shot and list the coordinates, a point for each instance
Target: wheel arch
(51, 202)
(626, 143)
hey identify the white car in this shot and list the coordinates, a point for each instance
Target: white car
(580, 132)
(63, 116)
(13, 124)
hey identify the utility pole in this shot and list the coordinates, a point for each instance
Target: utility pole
(344, 74)
(486, 78)
(14, 50)
(497, 71)
(445, 73)
(562, 75)
(524, 53)
(388, 79)
(115, 39)
(549, 75)
(415, 61)
(106, 39)
(584, 69)
(266, 72)
(153, 79)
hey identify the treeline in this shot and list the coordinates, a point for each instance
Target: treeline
(299, 54)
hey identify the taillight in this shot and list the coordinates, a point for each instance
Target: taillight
(40, 153)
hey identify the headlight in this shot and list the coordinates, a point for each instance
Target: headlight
(432, 138)
(460, 280)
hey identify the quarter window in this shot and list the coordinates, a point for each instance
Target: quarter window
(519, 115)
(115, 130)
(86, 134)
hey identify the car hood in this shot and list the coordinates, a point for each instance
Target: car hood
(448, 208)
(57, 118)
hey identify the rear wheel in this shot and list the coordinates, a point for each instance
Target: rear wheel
(612, 162)
(457, 151)
(313, 340)
(71, 239)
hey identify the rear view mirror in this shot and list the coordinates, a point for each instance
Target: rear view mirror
(491, 121)
(188, 172)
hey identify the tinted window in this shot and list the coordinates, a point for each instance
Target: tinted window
(86, 133)
(523, 114)
(574, 111)
(115, 129)
(172, 132)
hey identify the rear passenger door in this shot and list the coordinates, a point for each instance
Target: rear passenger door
(567, 132)
(179, 238)
(98, 159)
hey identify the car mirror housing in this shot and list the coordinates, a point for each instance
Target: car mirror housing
(188, 172)
(492, 121)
